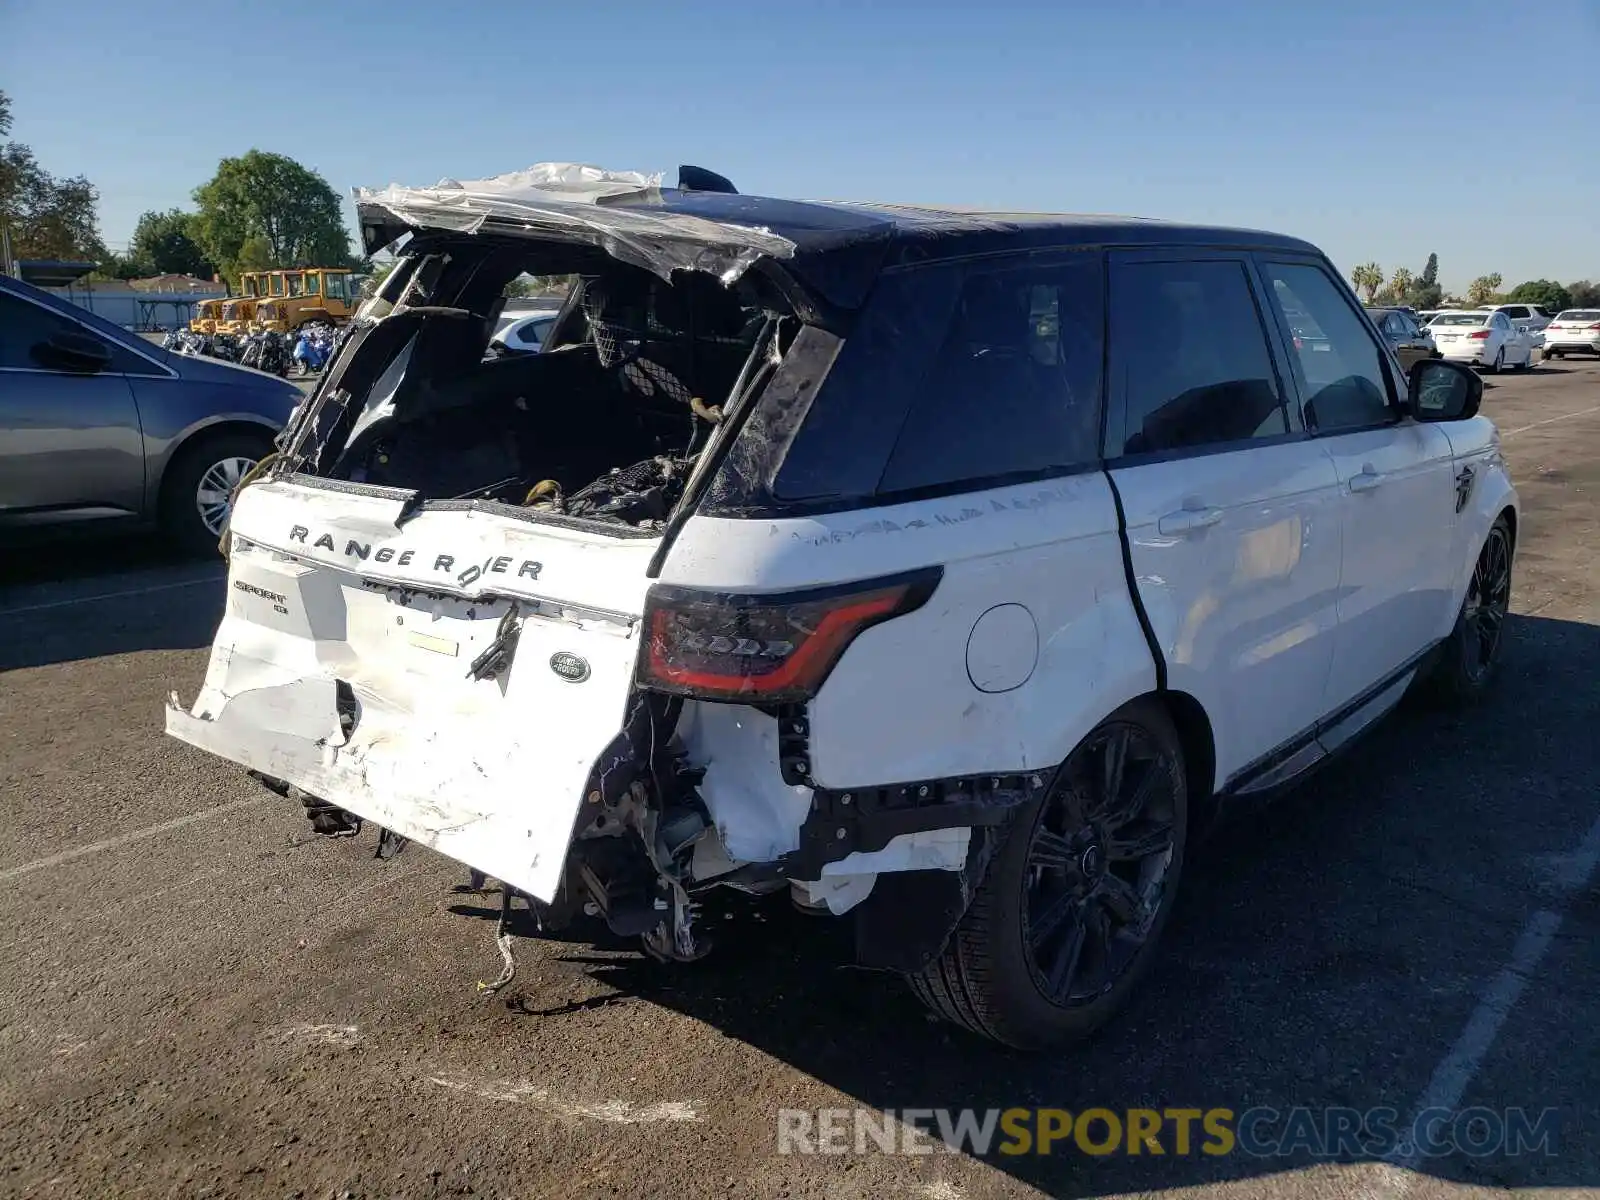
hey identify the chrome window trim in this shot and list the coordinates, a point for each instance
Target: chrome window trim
(87, 375)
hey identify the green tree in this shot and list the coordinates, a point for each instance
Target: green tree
(377, 271)
(1483, 288)
(1546, 293)
(166, 242)
(1425, 292)
(255, 254)
(1400, 285)
(1368, 277)
(47, 217)
(272, 198)
(1584, 294)
(122, 266)
(537, 285)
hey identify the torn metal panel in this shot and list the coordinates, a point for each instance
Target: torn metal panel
(756, 814)
(851, 880)
(576, 202)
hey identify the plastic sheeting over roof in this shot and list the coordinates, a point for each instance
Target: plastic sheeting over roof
(610, 209)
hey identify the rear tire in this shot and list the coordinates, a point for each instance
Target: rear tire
(1469, 657)
(208, 468)
(1067, 920)
(1499, 361)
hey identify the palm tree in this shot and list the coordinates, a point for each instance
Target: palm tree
(1483, 287)
(1400, 284)
(1369, 278)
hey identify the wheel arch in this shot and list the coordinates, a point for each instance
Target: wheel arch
(197, 436)
(1494, 498)
(1199, 743)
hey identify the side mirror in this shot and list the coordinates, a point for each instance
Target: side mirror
(1443, 391)
(78, 353)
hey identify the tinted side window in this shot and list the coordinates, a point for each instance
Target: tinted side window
(24, 324)
(1189, 358)
(1340, 372)
(1015, 386)
(850, 425)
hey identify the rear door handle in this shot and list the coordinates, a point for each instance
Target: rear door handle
(1188, 520)
(1369, 480)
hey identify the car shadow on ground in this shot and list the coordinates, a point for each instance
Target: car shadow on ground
(1327, 953)
(87, 598)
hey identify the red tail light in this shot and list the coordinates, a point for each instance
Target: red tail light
(1596, 325)
(764, 648)
(1481, 335)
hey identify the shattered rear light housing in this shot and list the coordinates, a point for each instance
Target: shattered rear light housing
(770, 648)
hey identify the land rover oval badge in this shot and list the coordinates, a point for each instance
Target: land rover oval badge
(569, 666)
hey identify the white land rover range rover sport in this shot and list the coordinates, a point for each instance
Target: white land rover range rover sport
(946, 570)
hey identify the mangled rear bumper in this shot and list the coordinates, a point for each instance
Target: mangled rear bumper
(453, 788)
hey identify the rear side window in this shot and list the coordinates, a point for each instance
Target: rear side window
(956, 374)
(1015, 387)
(1339, 368)
(1189, 359)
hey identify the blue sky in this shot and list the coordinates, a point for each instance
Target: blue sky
(1379, 129)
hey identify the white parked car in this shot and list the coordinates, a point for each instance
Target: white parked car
(866, 553)
(1525, 316)
(1574, 329)
(522, 332)
(1482, 337)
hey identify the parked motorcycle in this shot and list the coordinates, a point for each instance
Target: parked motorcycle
(265, 351)
(182, 341)
(226, 347)
(313, 348)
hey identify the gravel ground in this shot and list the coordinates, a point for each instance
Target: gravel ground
(202, 999)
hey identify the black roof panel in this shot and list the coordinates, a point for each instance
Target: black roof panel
(816, 226)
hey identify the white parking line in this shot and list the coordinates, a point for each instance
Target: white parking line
(1548, 421)
(612, 1112)
(137, 835)
(154, 587)
(1456, 1070)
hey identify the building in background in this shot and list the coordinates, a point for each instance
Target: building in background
(157, 303)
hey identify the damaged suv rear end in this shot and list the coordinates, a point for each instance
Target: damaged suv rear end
(642, 615)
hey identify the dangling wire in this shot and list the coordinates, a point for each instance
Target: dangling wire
(502, 940)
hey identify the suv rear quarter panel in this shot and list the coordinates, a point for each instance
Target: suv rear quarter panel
(1033, 606)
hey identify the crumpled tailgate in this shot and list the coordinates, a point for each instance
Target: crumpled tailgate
(358, 690)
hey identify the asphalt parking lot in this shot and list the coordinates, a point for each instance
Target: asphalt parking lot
(204, 999)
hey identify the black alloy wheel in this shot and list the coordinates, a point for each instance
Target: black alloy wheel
(1098, 863)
